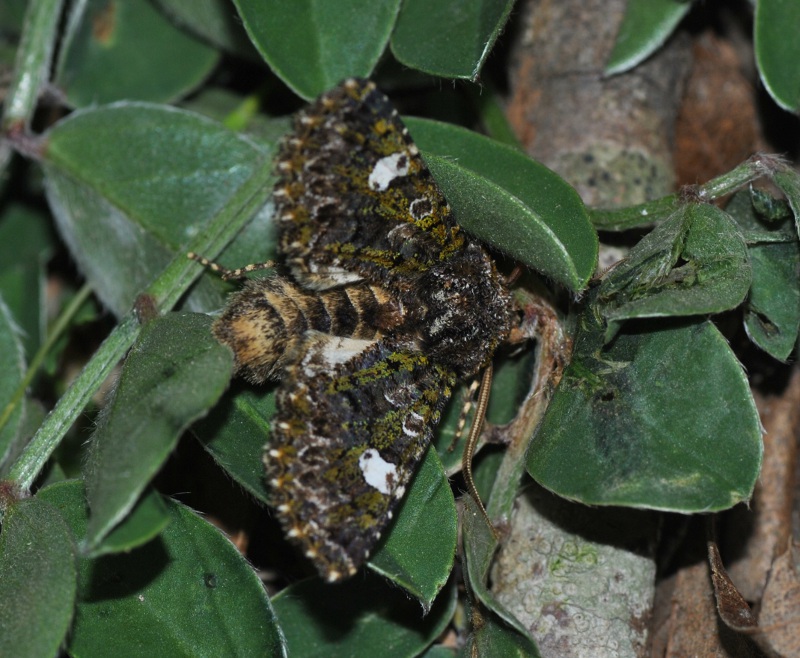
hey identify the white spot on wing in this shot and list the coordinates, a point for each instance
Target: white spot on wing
(377, 471)
(323, 352)
(341, 350)
(324, 276)
(387, 169)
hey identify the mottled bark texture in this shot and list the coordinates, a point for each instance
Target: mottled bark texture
(611, 138)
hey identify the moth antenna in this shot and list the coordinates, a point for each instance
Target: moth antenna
(225, 273)
(469, 400)
(472, 442)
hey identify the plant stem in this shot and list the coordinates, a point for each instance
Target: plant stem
(33, 61)
(553, 349)
(652, 211)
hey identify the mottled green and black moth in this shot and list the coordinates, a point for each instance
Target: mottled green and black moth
(380, 305)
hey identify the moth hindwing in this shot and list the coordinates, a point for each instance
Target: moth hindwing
(382, 302)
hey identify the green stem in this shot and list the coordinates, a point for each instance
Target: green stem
(166, 290)
(647, 213)
(33, 61)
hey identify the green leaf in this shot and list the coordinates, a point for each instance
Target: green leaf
(754, 227)
(778, 49)
(361, 617)
(772, 313)
(486, 466)
(440, 651)
(788, 181)
(129, 184)
(491, 637)
(768, 207)
(420, 547)
(645, 28)
(510, 202)
(694, 263)
(213, 21)
(188, 593)
(241, 114)
(12, 366)
(145, 521)
(33, 415)
(26, 241)
(235, 433)
(510, 385)
(126, 49)
(38, 580)
(173, 374)
(501, 633)
(12, 15)
(449, 38)
(314, 44)
(661, 419)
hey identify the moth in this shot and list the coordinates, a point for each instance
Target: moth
(381, 303)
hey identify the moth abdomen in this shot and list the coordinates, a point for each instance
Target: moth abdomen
(266, 321)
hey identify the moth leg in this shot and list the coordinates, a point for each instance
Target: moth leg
(472, 442)
(225, 273)
(469, 401)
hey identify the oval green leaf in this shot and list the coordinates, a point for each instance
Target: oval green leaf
(772, 313)
(449, 38)
(158, 395)
(363, 616)
(778, 50)
(312, 45)
(495, 638)
(145, 521)
(12, 365)
(645, 28)
(129, 184)
(38, 580)
(128, 50)
(26, 241)
(662, 419)
(694, 263)
(420, 547)
(504, 633)
(510, 202)
(188, 593)
(788, 181)
(440, 651)
(235, 433)
(754, 226)
(212, 20)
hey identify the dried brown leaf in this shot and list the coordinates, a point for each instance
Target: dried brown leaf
(732, 608)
